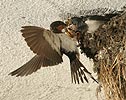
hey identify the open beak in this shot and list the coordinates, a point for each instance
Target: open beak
(72, 33)
(68, 31)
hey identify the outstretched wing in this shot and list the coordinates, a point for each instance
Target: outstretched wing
(45, 44)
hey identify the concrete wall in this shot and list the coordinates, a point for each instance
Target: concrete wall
(51, 83)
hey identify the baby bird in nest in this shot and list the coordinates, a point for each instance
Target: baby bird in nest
(87, 24)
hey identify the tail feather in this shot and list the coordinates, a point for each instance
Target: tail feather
(82, 71)
(77, 78)
(73, 73)
(78, 72)
(81, 78)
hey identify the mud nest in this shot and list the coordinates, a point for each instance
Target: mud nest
(109, 46)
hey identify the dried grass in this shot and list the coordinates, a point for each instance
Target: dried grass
(113, 79)
(111, 59)
(110, 43)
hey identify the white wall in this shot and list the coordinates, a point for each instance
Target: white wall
(51, 83)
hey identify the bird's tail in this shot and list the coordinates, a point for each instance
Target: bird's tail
(78, 72)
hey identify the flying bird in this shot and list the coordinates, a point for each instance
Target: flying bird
(49, 47)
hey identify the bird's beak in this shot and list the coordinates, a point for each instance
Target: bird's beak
(68, 31)
(72, 27)
(73, 34)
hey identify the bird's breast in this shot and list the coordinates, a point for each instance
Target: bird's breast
(93, 25)
(67, 43)
(53, 40)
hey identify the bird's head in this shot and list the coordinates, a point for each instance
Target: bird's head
(61, 27)
(77, 26)
(58, 27)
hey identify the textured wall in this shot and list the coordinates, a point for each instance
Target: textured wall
(51, 83)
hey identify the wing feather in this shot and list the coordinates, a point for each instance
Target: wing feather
(45, 44)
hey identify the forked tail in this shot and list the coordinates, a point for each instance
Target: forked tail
(78, 72)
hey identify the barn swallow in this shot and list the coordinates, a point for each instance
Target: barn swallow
(49, 47)
(89, 24)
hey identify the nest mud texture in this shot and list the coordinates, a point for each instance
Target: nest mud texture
(108, 44)
(97, 11)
